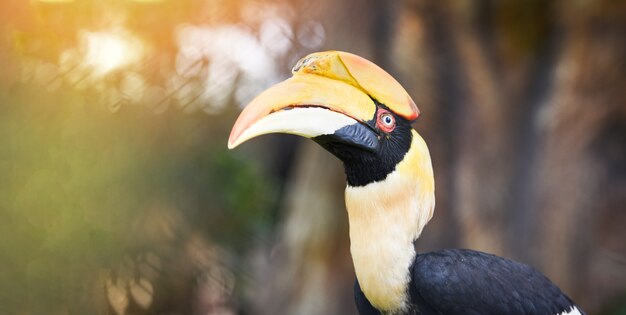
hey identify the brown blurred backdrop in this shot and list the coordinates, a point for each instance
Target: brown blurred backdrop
(118, 195)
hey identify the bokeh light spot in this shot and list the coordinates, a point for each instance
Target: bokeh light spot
(276, 36)
(311, 35)
(106, 51)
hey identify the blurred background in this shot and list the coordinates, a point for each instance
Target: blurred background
(118, 195)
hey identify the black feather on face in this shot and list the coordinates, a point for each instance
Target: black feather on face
(365, 164)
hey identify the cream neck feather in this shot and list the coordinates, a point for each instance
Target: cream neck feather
(385, 219)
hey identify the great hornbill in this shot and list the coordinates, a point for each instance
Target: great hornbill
(362, 115)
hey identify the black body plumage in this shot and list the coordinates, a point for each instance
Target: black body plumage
(460, 281)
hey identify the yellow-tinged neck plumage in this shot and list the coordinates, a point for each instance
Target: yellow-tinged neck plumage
(385, 219)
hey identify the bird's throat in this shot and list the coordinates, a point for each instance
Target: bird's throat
(385, 219)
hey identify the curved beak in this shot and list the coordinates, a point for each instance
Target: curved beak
(329, 98)
(311, 106)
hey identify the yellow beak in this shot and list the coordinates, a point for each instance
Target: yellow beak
(328, 91)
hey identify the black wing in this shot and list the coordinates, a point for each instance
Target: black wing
(470, 282)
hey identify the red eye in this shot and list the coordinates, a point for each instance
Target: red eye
(385, 122)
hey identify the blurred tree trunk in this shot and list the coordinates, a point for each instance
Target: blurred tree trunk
(310, 270)
(581, 160)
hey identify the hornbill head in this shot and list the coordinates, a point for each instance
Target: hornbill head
(362, 115)
(347, 104)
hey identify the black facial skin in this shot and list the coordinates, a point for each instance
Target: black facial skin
(368, 153)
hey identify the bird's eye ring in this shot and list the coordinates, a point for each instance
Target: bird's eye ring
(386, 122)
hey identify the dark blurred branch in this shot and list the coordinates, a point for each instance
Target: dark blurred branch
(527, 137)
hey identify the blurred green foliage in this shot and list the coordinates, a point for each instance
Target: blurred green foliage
(81, 187)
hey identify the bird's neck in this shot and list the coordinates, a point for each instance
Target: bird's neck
(385, 219)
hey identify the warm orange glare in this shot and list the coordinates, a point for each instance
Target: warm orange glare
(107, 51)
